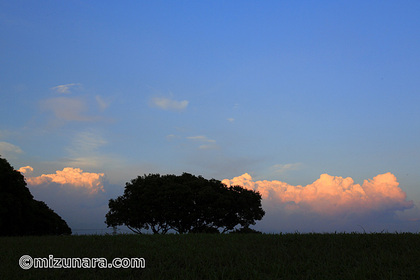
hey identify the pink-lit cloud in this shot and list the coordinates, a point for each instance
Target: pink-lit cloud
(70, 177)
(331, 195)
(26, 170)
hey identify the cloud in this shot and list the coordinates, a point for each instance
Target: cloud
(331, 195)
(68, 109)
(7, 149)
(26, 170)
(169, 104)
(78, 197)
(201, 138)
(101, 102)
(208, 143)
(85, 142)
(65, 89)
(282, 168)
(84, 151)
(231, 120)
(74, 178)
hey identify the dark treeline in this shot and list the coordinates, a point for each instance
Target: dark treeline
(20, 213)
(184, 204)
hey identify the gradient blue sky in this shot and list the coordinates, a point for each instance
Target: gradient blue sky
(281, 90)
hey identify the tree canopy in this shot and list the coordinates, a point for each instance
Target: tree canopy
(185, 203)
(20, 213)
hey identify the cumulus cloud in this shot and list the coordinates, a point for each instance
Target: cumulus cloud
(169, 104)
(331, 195)
(64, 89)
(70, 177)
(77, 196)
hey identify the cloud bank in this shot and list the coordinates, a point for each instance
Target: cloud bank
(70, 177)
(329, 198)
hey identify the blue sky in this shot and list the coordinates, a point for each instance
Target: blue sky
(281, 90)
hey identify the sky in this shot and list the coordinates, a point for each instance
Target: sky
(312, 103)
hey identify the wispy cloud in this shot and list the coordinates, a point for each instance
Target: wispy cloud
(201, 138)
(206, 143)
(86, 142)
(169, 104)
(68, 109)
(282, 168)
(7, 149)
(103, 104)
(84, 150)
(65, 89)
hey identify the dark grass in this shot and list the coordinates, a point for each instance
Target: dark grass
(230, 256)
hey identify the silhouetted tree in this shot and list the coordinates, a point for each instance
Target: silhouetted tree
(20, 213)
(185, 203)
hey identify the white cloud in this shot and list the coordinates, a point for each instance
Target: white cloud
(169, 104)
(65, 89)
(7, 149)
(231, 120)
(201, 138)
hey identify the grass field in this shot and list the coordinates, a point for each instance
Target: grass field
(230, 256)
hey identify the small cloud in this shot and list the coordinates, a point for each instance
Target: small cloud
(169, 104)
(231, 120)
(209, 143)
(27, 170)
(101, 102)
(208, 147)
(201, 138)
(74, 178)
(171, 137)
(8, 149)
(65, 89)
(281, 168)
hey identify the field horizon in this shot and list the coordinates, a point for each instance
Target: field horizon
(223, 256)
